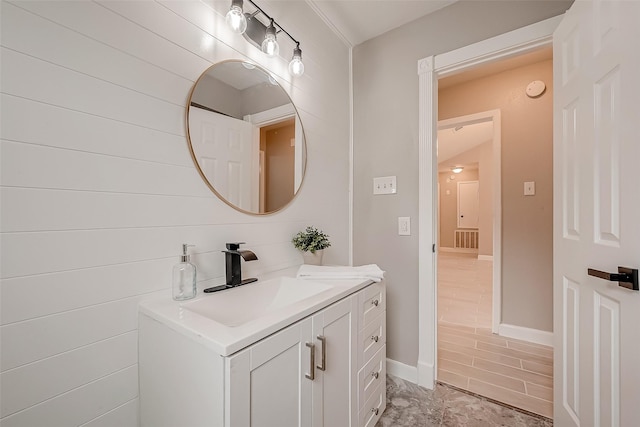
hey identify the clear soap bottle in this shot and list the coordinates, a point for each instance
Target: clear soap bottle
(184, 277)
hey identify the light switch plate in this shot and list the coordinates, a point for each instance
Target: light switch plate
(530, 188)
(384, 185)
(404, 226)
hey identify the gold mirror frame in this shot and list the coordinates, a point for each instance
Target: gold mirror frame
(264, 85)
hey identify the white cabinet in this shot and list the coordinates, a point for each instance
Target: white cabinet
(326, 370)
(301, 376)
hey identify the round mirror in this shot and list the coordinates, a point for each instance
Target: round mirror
(246, 137)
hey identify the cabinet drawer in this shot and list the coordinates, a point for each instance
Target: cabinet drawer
(372, 338)
(372, 302)
(374, 407)
(371, 376)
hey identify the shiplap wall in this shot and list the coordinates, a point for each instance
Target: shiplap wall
(98, 190)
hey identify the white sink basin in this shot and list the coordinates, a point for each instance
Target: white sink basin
(237, 306)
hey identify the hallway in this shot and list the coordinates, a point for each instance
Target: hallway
(515, 372)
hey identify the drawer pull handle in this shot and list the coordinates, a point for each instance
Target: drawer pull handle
(312, 361)
(375, 338)
(375, 411)
(375, 374)
(375, 302)
(323, 358)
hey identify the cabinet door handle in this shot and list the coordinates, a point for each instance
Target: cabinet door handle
(375, 338)
(375, 302)
(323, 353)
(375, 374)
(312, 361)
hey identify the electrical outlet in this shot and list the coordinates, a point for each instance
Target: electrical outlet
(384, 185)
(404, 226)
(530, 188)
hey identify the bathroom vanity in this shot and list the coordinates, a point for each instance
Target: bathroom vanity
(282, 352)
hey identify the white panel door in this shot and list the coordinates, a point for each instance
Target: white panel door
(224, 149)
(596, 214)
(468, 204)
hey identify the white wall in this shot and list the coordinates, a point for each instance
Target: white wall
(99, 190)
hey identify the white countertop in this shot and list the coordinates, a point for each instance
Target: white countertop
(226, 340)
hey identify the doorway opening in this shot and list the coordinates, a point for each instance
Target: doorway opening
(468, 290)
(469, 219)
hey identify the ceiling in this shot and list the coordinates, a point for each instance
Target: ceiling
(360, 20)
(457, 140)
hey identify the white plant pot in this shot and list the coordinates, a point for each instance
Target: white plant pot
(312, 258)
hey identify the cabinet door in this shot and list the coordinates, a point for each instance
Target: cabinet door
(335, 388)
(267, 386)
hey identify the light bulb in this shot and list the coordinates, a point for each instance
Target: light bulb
(270, 44)
(235, 18)
(296, 67)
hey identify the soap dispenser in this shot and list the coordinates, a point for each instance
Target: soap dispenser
(184, 277)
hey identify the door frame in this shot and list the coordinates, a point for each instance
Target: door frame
(430, 69)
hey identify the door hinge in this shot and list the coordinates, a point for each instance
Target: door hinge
(433, 248)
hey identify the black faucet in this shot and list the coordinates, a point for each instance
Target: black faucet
(234, 272)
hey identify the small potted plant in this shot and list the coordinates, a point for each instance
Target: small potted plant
(312, 243)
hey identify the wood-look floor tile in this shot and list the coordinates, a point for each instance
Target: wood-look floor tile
(492, 339)
(534, 349)
(455, 339)
(464, 328)
(544, 393)
(540, 368)
(482, 375)
(510, 371)
(487, 355)
(453, 379)
(518, 400)
(455, 356)
(516, 372)
(514, 353)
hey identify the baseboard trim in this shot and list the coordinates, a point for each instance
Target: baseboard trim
(400, 370)
(485, 257)
(526, 334)
(426, 375)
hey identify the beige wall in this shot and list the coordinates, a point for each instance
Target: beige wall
(449, 203)
(385, 138)
(279, 164)
(527, 137)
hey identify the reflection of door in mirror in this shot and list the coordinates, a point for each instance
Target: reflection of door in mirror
(225, 155)
(277, 142)
(281, 156)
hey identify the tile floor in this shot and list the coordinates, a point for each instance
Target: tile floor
(409, 405)
(515, 372)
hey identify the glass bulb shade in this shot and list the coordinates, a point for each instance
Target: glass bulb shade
(296, 67)
(236, 19)
(270, 44)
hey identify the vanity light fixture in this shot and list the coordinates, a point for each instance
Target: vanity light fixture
(235, 17)
(270, 44)
(457, 169)
(261, 35)
(296, 67)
